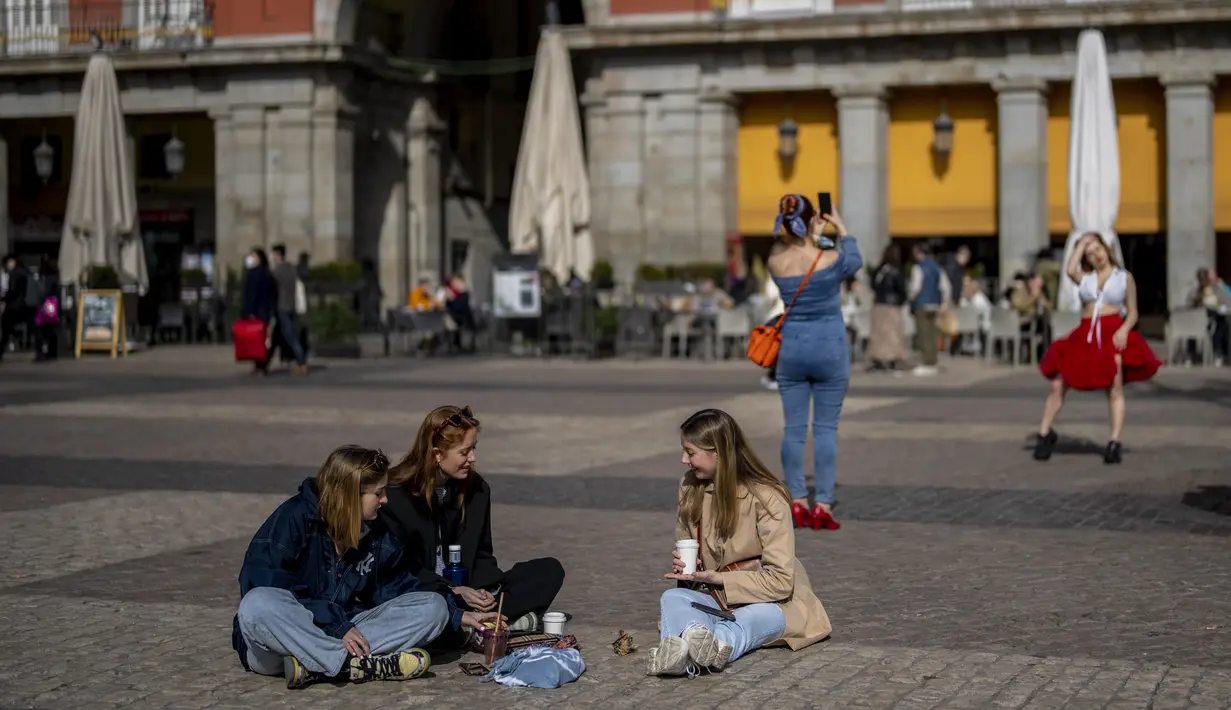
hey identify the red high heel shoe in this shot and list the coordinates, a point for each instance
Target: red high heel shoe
(803, 519)
(822, 519)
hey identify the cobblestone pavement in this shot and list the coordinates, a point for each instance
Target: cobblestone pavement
(965, 574)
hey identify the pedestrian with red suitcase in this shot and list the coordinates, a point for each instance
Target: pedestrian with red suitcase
(251, 332)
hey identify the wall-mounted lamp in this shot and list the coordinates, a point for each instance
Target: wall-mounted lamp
(173, 155)
(44, 159)
(788, 139)
(942, 133)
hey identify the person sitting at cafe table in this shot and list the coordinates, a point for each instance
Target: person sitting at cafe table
(437, 499)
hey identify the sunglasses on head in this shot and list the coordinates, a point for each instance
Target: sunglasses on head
(460, 418)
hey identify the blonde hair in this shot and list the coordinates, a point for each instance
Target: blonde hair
(738, 467)
(443, 429)
(339, 487)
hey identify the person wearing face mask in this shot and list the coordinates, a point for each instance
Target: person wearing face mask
(260, 296)
(437, 499)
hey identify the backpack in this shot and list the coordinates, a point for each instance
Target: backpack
(34, 296)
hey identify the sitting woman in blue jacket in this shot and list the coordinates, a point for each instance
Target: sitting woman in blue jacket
(325, 595)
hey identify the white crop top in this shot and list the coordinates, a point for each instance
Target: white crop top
(1114, 293)
(1115, 290)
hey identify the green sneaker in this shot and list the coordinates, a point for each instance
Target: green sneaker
(297, 676)
(404, 665)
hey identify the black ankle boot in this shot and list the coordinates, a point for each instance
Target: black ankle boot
(1113, 453)
(1044, 445)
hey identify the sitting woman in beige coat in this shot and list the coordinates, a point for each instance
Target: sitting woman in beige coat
(740, 513)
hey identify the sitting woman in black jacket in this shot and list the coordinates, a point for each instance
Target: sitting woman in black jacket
(436, 499)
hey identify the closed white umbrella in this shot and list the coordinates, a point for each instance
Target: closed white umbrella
(1094, 157)
(550, 212)
(100, 223)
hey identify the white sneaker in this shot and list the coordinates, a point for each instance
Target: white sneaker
(706, 649)
(924, 371)
(771, 385)
(671, 659)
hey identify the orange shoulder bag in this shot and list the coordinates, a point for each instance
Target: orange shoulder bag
(766, 340)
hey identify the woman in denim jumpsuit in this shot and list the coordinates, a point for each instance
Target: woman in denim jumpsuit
(814, 364)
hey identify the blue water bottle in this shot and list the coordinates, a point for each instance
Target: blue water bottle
(457, 575)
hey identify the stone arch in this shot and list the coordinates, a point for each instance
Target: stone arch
(335, 20)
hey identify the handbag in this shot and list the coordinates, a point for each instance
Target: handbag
(752, 564)
(766, 340)
(948, 324)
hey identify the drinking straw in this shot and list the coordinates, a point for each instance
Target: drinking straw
(499, 608)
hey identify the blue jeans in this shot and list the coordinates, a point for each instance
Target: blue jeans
(755, 624)
(289, 331)
(814, 367)
(275, 625)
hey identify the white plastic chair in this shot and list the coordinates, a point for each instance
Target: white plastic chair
(732, 324)
(1007, 328)
(680, 327)
(1063, 323)
(1185, 325)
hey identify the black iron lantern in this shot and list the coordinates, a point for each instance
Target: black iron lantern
(788, 139)
(942, 133)
(44, 159)
(173, 156)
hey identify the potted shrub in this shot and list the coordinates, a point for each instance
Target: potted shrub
(335, 328)
(101, 276)
(606, 330)
(602, 275)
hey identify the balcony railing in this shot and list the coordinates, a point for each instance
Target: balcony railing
(752, 9)
(48, 27)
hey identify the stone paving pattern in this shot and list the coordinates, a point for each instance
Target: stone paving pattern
(965, 574)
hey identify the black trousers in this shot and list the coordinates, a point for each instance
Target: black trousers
(527, 586)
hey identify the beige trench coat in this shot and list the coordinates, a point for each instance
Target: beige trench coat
(764, 530)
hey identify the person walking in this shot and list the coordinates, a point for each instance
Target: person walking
(286, 281)
(887, 344)
(814, 363)
(16, 311)
(259, 298)
(930, 295)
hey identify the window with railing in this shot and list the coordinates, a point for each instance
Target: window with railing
(60, 26)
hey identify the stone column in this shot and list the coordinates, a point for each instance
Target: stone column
(226, 249)
(426, 134)
(333, 189)
(624, 175)
(718, 175)
(389, 182)
(1024, 219)
(292, 221)
(671, 180)
(5, 218)
(863, 140)
(595, 106)
(1190, 181)
(247, 163)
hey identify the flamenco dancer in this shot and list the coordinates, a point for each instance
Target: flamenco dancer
(1102, 353)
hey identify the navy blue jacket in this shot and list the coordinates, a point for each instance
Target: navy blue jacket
(260, 296)
(293, 551)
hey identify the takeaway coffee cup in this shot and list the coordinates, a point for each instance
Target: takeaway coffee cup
(688, 554)
(553, 623)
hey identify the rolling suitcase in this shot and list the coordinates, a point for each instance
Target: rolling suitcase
(251, 342)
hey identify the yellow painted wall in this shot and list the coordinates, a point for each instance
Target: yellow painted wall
(1058, 158)
(1222, 158)
(1143, 156)
(931, 198)
(762, 180)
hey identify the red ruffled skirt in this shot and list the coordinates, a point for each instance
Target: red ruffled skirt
(1087, 362)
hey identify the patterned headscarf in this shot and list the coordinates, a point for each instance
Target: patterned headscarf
(794, 222)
